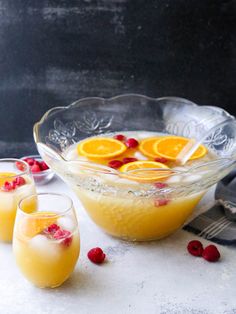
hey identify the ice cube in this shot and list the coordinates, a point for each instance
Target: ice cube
(66, 223)
(110, 177)
(126, 181)
(140, 156)
(44, 246)
(192, 178)
(180, 168)
(74, 167)
(7, 201)
(72, 154)
(174, 179)
(143, 135)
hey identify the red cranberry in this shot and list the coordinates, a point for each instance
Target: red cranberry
(38, 163)
(61, 234)
(67, 241)
(19, 181)
(65, 235)
(120, 137)
(30, 161)
(131, 143)
(35, 168)
(96, 255)
(161, 202)
(211, 253)
(163, 160)
(126, 160)
(20, 166)
(195, 248)
(7, 187)
(115, 164)
(52, 228)
(43, 166)
(160, 185)
(54, 231)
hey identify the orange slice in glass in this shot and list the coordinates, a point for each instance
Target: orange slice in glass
(140, 171)
(36, 223)
(146, 147)
(170, 147)
(101, 148)
(6, 176)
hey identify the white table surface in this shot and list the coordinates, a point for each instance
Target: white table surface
(155, 277)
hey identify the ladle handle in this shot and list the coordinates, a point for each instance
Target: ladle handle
(190, 148)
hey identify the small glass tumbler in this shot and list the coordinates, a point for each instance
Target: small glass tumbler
(16, 182)
(46, 241)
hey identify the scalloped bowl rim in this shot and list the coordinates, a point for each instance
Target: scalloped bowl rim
(114, 171)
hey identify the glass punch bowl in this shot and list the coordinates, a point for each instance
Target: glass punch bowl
(118, 203)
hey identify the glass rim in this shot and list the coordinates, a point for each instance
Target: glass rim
(63, 213)
(14, 160)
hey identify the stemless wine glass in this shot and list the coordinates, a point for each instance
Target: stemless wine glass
(46, 241)
(16, 182)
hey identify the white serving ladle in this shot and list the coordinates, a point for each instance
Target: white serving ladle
(193, 144)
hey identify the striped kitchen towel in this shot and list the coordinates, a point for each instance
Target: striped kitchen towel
(218, 222)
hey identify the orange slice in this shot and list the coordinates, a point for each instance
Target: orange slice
(146, 147)
(139, 174)
(170, 147)
(6, 176)
(36, 223)
(101, 148)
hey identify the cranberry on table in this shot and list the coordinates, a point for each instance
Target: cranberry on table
(96, 255)
(195, 248)
(211, 253)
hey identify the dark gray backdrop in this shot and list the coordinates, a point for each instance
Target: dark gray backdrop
(53, 52)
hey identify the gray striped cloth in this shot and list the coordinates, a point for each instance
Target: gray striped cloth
(218, 223)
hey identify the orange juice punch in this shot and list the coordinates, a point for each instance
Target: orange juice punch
(46, 241)
(16, 182)
(133, 158)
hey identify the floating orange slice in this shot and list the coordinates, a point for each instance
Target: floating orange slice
(36, 223)
(6, 176)
(146, 147)
(141, 173)
(101, 148)
(170, 147)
